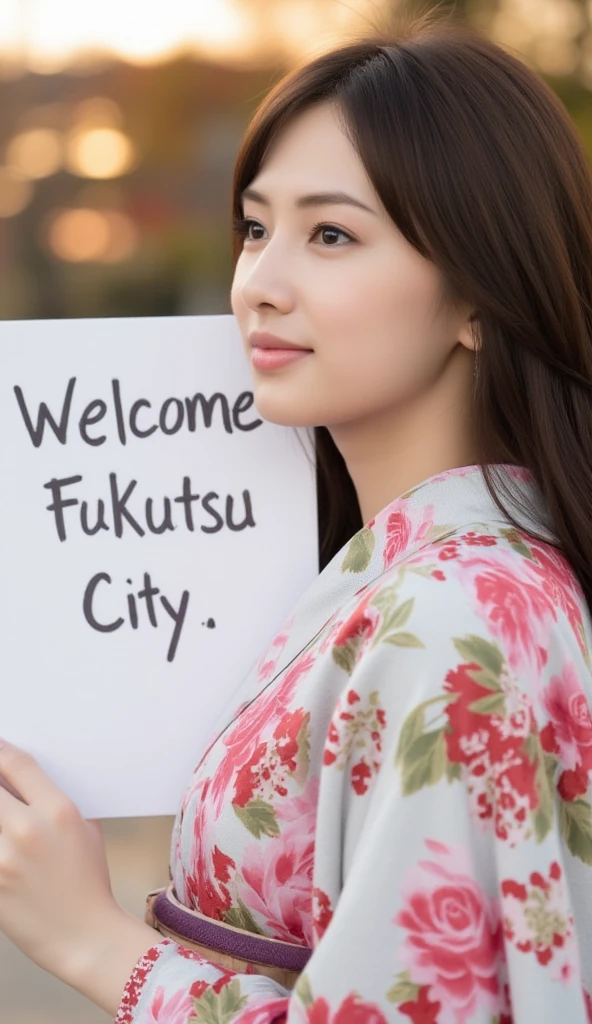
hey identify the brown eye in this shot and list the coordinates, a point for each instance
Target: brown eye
(243, 227)
(252, 226)
(330, 235)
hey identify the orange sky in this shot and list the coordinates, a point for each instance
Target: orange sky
(46, 34)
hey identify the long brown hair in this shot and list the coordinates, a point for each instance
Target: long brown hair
(480, 168)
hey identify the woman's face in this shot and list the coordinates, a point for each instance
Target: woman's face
(353, 292)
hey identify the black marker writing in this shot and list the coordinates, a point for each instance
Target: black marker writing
(147, 595)
(115, 515)
(173, 414)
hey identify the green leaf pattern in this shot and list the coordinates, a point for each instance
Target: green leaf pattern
(219, 1007)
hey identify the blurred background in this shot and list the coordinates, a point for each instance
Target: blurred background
(119, 124)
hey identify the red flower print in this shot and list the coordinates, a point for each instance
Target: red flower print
(352, 1011)
(319, 1012)
(356, 727)
(499, 772)
(512, 602)
(398, 533)
(267, 772)
(570, 727)
(537, 919)
(360, 775)
(287, 734)
(176, 1010)
(588, 999)
(206, 885)
(276, 882)
(265, 1013)
(224, 979)
(322, 913)
(247, 778)
(136, 982)
(267, 663)
(242, 740)
(572, 784)
(448, 550)
(484, 540)
(189, 954)
(360, 626)
(453, 941)
(421, 1010)
(297, 808)
(559, 582)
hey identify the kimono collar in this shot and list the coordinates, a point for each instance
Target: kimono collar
(436, 508)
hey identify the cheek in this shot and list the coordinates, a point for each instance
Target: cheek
(378, 331)
(372, 321)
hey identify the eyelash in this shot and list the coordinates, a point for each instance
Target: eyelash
(242, 225)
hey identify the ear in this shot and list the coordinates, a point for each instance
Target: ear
(468, 334)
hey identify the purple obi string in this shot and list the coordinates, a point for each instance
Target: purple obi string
(223, 939)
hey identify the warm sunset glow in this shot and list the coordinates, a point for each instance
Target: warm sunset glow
(98, 112)
(542, 30)
(37, 153)
(123, 237)
(86, 235)
(47, 35)
(16, 192)
(51, 32)
(99, 153)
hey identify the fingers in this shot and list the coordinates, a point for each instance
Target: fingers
(27, 779)
(11, 811)
(10, 789)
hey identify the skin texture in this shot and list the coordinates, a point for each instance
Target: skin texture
(391, 370)
(390, 374)
(56, 902)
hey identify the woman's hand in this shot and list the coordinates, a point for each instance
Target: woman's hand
(56, 902)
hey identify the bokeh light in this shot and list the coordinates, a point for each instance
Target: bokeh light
(86, 235)
(123, 237)
(99, 153)
(50, 35)
(16, 192)
(98, 112)
(36, 153)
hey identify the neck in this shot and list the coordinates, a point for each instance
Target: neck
(395, 450)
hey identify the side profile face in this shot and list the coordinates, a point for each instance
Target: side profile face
(354, 292)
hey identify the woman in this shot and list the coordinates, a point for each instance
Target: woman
(396, 812)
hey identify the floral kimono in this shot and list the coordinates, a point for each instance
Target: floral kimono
(404, 785)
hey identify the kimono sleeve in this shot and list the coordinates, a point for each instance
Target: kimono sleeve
(440, 894)
(467, 886)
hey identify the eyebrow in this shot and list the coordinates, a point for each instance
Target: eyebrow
(312, 199)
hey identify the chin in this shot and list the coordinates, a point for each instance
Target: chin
(285, 412)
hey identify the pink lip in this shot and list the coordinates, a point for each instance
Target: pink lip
(275, 358)
(262, 339)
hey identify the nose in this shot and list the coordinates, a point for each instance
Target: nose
(265, 280)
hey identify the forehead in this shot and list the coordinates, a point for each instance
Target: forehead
(313, 152)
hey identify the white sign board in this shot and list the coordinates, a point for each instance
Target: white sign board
(154, 534)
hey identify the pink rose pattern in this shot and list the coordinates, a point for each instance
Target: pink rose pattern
(504, 722)
(567, 737)
(176, 1010)
(453, 935)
